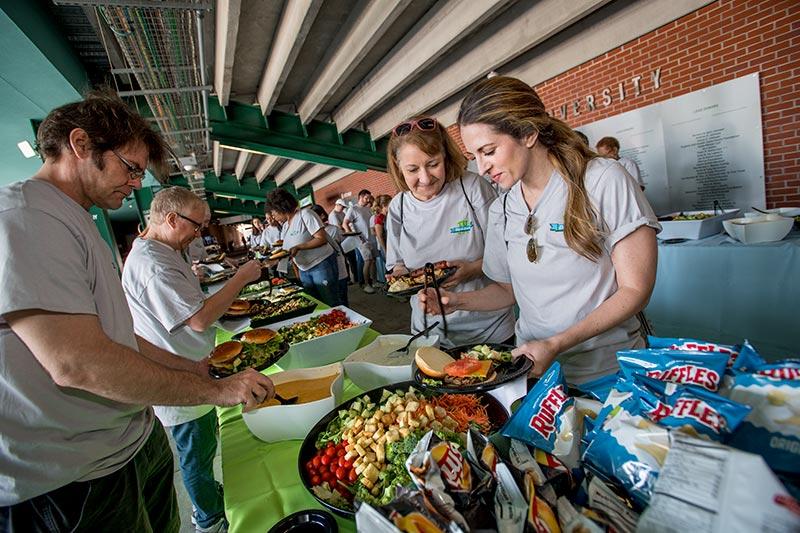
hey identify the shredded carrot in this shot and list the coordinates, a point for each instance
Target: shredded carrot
(464, 409)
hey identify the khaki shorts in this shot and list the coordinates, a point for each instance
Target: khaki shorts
(366, 251)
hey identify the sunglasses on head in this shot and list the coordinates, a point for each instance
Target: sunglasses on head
(424, 124)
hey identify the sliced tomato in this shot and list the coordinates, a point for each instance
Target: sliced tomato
(462, 367)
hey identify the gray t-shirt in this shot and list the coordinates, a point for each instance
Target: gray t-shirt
(445, 229)
(52, 436)
(163, 294)
(335, 239)
(359, 218)
(270, 236)
(301, 229)
(564, 287)
(196, 250)
(336, 218)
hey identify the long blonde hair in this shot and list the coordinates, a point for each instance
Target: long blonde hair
(512, 107)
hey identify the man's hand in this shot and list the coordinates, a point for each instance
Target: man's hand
(293, 251)
(247, 387)
(465, 271)
(542, 353)
(430, 304)
(249, 271)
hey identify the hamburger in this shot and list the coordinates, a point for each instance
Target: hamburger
(258, 336)
(465, 371)
(238, 308)
(431, 361)
(223, 355)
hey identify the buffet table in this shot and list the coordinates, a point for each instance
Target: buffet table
(722, 290)
(262, 483)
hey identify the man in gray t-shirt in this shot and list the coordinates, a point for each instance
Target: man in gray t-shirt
(356, 219)
(76, 430)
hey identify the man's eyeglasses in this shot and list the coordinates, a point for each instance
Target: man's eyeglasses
(134, 171)
(197, 226)
(424, 124)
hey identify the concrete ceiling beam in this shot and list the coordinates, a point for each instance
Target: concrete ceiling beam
(519, 32)
(267, 166)
(241, 164)
(368, 28)
(288, 171)
(216, 157)
(330, 179)
(296, 20)
(311, 174)
(227, 29)
(421, 48)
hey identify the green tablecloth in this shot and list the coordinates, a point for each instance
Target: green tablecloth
(262, 483)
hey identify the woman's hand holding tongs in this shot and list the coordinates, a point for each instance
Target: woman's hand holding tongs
(430, 304)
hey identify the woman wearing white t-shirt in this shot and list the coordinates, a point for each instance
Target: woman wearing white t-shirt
(305, 238)
(441, 215)
(572, 242)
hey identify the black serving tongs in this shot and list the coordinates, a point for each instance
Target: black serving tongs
(429, 280)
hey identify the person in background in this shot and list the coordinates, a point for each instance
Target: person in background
(572, 242)
(349, 244)
(335, 240)
(356, 219)
(170, 311)
(196, 251)
(81, 451)
(381, 208)
(271, 233)
(305, 238)
(440, 215)
(609, 147)
(255, 235)
(583, 137)
(336, 216)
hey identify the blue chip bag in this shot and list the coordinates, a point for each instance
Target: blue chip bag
(694, 345)
(600, 387)
(691, 409)
(547, 418)
(687, 368)
(773, 427)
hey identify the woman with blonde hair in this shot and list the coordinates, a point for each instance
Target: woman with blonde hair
(441, 214)
(572, 241)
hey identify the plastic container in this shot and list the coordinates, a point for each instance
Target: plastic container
(368, 374)
(764, 228)
(694, 229)
(327, 349)
(287, 422)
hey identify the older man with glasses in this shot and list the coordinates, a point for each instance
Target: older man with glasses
(170, 310)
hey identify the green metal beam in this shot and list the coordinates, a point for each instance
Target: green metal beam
(283, 134)
(236, 207)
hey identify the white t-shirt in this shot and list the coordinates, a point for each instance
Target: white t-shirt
(359, 218)
(632, 168)
(196, 250)
(564, 287)
(255, 240)
(336, 218)
(335, 235)
(270, 236)
(445, 229)
(51, 436)
(300, 229)
(163, 294)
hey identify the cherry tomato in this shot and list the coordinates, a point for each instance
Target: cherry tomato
(315, 480)
(334, 467)
(327, 476)
(310, 465)
(330, 444)
(348, 464)
(341, 461)
(352, 476)
(325, 460)
(330, 451)
(342, 452)
(317, 461)
(341, 474)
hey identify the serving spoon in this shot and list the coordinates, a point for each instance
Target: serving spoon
(425, 332)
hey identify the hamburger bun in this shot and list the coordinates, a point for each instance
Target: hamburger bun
(239, 305)
(225, 352)
(258, 336)
(431, 361)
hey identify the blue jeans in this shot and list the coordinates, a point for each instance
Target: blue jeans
(196, 442)
(380, 267)
(359, 267)
(343, 297)
(322, 281)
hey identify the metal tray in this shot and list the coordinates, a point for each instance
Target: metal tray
(223, 373)
(257, 323)
(446, 273)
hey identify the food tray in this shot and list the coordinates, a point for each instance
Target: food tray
(257, 323)
(506, 372)
(218, 276)
(327, 349)
(446, 273)
(351, 234)
(287, 422)
(497, 414)
(221, 373)
(694, 229)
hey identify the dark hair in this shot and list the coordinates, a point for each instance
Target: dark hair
(582, 136)
(511, 106)
(362, 192)
(281, 201)
(320, 212)
(109, 123)
(609, 142)
(431, 142)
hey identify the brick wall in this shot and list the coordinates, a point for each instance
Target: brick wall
(719, 42)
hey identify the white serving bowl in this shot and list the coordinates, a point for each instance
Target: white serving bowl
(364, 366)
(326, 349)
(695, 229)
(752, 230)
(286, 422)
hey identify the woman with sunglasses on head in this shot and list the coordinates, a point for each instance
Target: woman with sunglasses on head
(441, 215)
(572, 241)
(305, 239)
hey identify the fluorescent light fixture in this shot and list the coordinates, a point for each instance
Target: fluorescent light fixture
(26, 149)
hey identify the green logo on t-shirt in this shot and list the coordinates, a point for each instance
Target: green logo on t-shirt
(462, 226)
